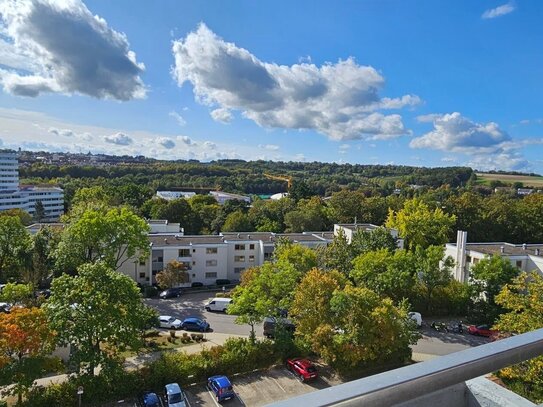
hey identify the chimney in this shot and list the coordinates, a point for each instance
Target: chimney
(524, 246)
(502, 249)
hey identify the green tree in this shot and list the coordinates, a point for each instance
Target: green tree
(309, 216)
(42, 260)
(14, 293)
(346, 206)
(173, 275)
(302, 258)
(113, 236)
(487, 279)
(419, 225)
(99, 312)
(364, 241)
(39, 211)
(23, 216)
(434, 271)
(14, 246)
(337, 255)
(237, 222)
(523, 300)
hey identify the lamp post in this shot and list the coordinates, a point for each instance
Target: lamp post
(79, 393)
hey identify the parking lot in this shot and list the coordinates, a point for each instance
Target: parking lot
(262, 388)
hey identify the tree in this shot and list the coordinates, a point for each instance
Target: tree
(523, 298)
(25, 337)
(309, 215)
(370, 240)
(113, 236)
(302, 258)
(39, 211)
(419, 225)
(23, 216)
(173, 275)
(346, 206)
(97, 307)
(14, 245)
(433, 270)
(237, 222)
(17, 294)
(487, 278)
(44, 244)
(350, 326)
(337, 255)
(177, 210)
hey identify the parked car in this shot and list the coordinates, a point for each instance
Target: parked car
(150, 399)
(222, 281)
(218, 304)
(167, 321)
(197, 284)
(271, 322)
(221, 387)
(302, 368)
(5, 307)
(170, 293)
(415, 316)
(174, 396)
(195, 324)
(481, 330)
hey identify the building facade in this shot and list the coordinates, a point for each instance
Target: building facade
(13, 196)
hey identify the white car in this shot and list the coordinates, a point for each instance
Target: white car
(169, 322)
(415, 316)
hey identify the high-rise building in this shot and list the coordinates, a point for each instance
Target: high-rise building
(13, 196)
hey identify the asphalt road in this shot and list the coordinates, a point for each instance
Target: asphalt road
(192, 305)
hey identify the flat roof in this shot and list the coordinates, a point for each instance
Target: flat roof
(509, 249)
(357, 226)
(179, 240)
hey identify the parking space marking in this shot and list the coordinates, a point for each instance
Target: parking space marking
(213, 398)
(277, 383)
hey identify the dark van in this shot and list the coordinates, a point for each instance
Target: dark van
(270, 324)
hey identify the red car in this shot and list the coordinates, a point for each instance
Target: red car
(481, 330)
(302, 368)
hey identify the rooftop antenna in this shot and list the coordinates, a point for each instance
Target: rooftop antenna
(355, 220)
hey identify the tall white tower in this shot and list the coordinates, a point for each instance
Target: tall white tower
(9, 170)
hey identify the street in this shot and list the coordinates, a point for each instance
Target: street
(432, 342)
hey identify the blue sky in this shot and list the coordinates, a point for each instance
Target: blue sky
(433, 83)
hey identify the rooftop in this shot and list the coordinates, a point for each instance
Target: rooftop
(508, 248)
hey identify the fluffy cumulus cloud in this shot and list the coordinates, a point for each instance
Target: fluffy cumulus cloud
(59, 46)
(119, 139)
(165, 142)
(209, 145)
(487, 146)
(185, 139)
(340, 100)
(454, 132)
(61, 132)
(499, 11)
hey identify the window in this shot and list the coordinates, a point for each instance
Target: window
(519, 264)
(184, 252)
(142, 275)
(211, 263)
(240, 247)
(468, 259)
(251, 246)
(238, 270)
(194, 263)
(194, 250)
(211, 250)
(239, 258)
(252, 258)
(211, 275)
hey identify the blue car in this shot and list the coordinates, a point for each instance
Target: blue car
(150, 400)
(195, 324)
(221, 387)
(174, 396)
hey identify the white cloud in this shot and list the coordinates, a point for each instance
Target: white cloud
(222, 115)
(185, 139)
(59, 46)
(209, 145)
(61, 132)
(178, 118)
(339, 99)
(299, 157)
(453, 132)
(271, 147)
(505, 161)
(428, 118)
(120, 139)
(499, 11)
(449, 159)
(165, 142)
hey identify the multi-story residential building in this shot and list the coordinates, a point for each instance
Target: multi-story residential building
(527, 257)
(13, 196)
(351, 228)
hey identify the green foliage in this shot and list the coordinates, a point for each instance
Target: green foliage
(433, 271)
(364, 241)
(44, 244)
(97, 307)
(523, 300)
(300, 257)
(14, 246)
(173, 275)
(17, 294)
(487, 278)
(337, 255)
(109, 235)
(237, 222)
(419, 225)
(23, 216)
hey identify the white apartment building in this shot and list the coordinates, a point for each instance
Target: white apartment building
(13, 196)
(222, 197)
(526, 257)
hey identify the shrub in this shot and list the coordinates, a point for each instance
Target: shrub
(172, 333)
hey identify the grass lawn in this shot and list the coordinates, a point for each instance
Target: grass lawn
(527, 180)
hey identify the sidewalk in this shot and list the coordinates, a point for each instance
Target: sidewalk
(133, 362)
